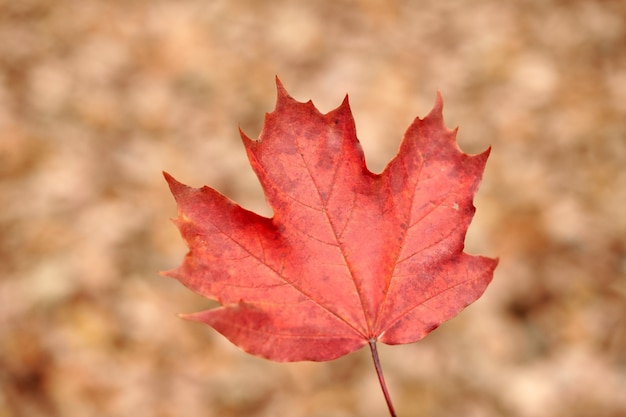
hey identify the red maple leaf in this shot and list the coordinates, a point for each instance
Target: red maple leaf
(350, 257)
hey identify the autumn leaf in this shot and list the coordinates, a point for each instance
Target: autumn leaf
(349, 257)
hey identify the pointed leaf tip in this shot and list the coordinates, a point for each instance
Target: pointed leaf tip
(345, 102)
(245, 138)
(174, 185)
(170, 273)
(280, 89)
(437, 110)
(188, 316)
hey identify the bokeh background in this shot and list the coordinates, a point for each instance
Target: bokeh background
(98, 97)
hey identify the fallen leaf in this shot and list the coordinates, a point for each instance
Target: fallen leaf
(349, 257)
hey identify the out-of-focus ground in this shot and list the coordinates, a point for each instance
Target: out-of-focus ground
(98, 97)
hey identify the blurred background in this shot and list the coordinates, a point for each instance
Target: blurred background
(98, 97)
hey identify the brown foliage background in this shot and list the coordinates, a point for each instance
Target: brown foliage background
(97, 97)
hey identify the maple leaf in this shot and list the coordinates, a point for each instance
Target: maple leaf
(349, 257)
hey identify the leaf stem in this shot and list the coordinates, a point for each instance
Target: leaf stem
(381, 378)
